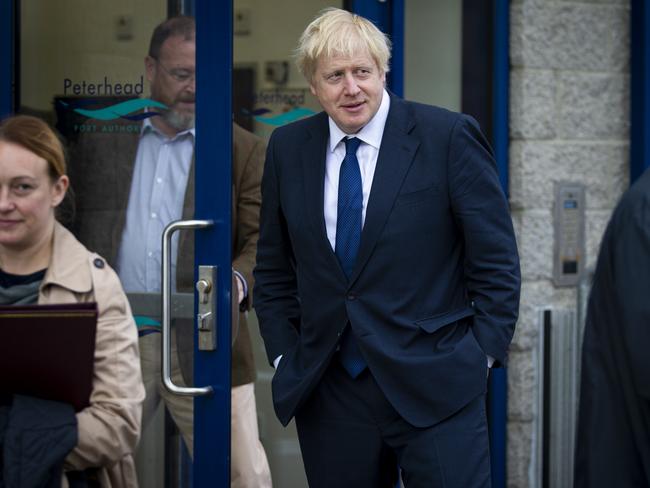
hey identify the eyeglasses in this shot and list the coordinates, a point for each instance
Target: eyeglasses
(179, 75)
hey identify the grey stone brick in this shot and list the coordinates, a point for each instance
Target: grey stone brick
(522, 385)
(516, 35)
(570, 36)
(593, 106)
(535, 167)
(520, 440)
(532, 104)
(534, 231)
(620, 2)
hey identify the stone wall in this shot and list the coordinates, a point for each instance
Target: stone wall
(569, 120)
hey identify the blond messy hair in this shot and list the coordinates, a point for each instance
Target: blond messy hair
(336, 32)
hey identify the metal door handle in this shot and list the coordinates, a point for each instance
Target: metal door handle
(166, 305)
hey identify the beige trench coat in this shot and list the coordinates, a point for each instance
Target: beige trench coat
(109, 429)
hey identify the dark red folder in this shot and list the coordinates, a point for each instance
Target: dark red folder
(47, 351)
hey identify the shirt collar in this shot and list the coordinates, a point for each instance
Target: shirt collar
(147, 126)
(371, 133)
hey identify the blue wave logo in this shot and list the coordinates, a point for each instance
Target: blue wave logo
(118, 111)
(282, 119)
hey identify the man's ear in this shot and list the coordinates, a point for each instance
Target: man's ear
(312, 89)
(150, 68)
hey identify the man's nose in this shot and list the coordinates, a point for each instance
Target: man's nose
(350, 85)
(191, 86)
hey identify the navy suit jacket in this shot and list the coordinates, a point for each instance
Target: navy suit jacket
(436, 283)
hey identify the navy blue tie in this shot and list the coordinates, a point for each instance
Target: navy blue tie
(348, 238)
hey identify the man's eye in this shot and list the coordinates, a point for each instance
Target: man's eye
(334, 77)
(181, 75)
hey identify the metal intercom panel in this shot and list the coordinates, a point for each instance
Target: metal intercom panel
(569, 234)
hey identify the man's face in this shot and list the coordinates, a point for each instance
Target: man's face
(349, 89)
(172, 79)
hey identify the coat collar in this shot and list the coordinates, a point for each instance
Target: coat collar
(68, 266)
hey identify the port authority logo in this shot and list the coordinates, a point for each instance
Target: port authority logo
(129, 109)
(96, 102)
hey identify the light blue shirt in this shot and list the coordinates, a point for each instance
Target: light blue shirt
(156, 198)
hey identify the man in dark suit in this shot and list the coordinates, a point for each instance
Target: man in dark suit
(387, 276)
(613, 438)
(129, 186)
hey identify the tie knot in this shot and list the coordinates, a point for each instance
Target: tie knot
(351, 145)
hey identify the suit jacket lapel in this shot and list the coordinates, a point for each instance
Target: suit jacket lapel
(312, 156)
(396, 154)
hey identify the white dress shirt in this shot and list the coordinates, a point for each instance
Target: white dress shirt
(370, 135)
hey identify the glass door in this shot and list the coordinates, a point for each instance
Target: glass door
(148, 140)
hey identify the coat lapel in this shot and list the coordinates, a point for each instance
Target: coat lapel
(312, 156)
(396, 154)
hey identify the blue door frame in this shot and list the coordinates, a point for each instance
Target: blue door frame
(6, 57)
(213, 201)
(498, 385)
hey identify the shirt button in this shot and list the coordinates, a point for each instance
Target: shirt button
(153, 215)
(159, 180)
(99, 263)
(150, 254)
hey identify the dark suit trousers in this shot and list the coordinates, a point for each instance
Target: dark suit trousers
(351, 437)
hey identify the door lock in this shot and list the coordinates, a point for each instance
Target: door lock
(204, 287)
(206, 312)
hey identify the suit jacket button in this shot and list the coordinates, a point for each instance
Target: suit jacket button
(352, 297)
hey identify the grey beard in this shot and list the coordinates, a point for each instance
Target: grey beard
(178, 121)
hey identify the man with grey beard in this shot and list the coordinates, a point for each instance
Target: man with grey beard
(129, 186)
